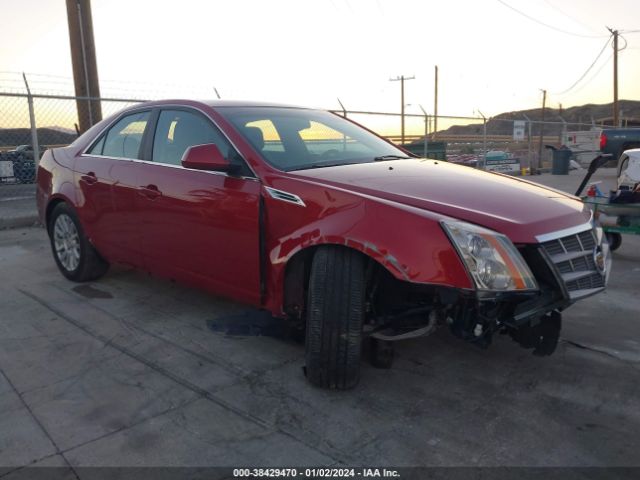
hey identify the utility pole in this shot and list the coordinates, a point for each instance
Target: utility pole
(401, 78)
(544, 101)
(83, 60)
(435, 104)
(616, 106)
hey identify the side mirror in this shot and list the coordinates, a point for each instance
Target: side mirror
(205, 157)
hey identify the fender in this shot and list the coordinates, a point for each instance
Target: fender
(407, 241)
(52, 188)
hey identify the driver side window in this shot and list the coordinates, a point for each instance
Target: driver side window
(178, 130)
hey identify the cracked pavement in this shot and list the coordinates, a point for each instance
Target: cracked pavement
(125, 371)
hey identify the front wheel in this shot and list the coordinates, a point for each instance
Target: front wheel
(614, 239)
(75, 256)
(335, 316)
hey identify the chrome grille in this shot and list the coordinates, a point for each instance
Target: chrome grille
(573, 258)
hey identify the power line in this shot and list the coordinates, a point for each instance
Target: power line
(587, 71)
(593, 77)
(548, 2)
(533, 19)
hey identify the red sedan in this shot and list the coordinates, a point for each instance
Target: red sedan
(311, 217)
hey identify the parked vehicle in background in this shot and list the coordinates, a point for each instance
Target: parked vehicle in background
(25, 151)
(310, 217)
(18, 164)
(616, 140)
(629, 169)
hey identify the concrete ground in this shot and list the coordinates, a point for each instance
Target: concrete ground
(127, 371)
(17, 205)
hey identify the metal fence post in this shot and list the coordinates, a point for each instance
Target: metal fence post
(32, 123)
(528, 140)
(563, 132)
(426, 131)
(484, 140)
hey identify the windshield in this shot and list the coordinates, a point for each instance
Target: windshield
(298, 139)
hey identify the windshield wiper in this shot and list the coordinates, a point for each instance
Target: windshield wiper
(383, 158)
(322, 165)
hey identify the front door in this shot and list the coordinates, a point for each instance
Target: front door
(198, 226)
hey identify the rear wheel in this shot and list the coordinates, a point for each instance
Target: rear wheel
(75, 256)
(335, 316)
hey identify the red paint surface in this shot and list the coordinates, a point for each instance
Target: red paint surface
(203, 227)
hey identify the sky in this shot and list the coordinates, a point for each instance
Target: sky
(491, 58)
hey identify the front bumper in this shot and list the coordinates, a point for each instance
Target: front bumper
(569, 265)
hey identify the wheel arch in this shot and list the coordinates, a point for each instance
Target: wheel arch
(297, 271)
(51, 205)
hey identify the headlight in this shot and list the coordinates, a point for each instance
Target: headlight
(492, 260)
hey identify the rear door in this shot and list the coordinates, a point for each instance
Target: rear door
(199, 226)
(106, 177)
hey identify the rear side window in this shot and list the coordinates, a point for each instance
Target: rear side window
(123, 139)
(178, 130)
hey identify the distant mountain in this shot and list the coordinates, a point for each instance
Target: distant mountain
(502, 124)
(11, 137)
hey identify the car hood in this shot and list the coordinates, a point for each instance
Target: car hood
(520, 209)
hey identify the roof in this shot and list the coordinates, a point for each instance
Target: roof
(247, 103)
(221, 103)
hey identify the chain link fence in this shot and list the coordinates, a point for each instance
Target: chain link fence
(32, 123)
(520, 142)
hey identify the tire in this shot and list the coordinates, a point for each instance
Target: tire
(76, 258)
(335, 316)
(614, 239)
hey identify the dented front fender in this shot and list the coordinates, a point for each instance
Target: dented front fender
(407, 241)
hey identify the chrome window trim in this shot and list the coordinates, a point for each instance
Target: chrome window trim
(545, 237)
(143, 108)
(179, 167)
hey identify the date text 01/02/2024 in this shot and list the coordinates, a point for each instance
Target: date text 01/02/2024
(315, 473)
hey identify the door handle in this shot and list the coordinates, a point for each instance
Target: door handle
(150, 191)
(89, 178)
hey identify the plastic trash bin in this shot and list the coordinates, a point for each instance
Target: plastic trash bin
(560, 165)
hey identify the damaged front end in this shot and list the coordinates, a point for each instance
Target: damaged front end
(538, 282)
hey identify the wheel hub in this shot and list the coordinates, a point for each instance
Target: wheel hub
(66, 242)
